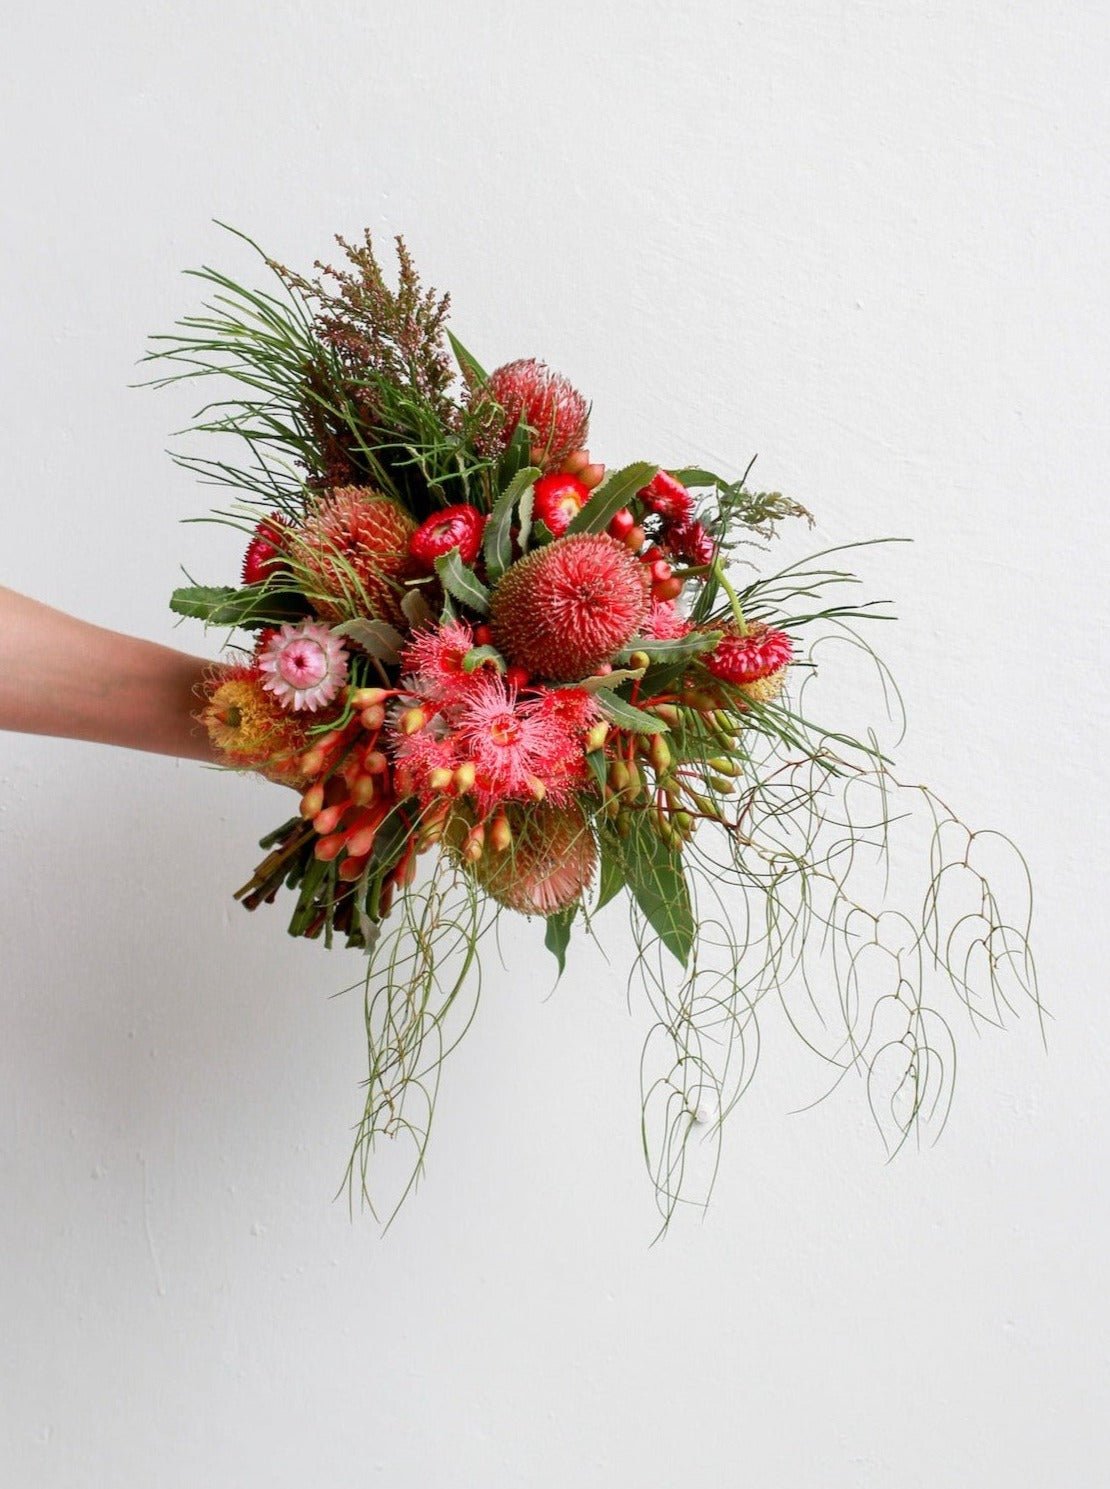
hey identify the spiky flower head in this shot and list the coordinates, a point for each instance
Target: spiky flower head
(549, 864)
(351, 554)
(433, 661)
(250, 726)
(530, 393)
(664, 623)
(303, 666)
(755, 662)
(564, 610)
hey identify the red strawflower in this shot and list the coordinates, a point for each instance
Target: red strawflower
(690, 541)
(458, 527)
(759, 653)
(264, 556)
(668, 497)
(565, 609)
(530, 393)
(557, 499)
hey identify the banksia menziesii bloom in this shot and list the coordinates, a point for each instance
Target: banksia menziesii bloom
(303, 666)
(755, 662)
(562, 611)
(549, 864)
(455, 527)
(352, 552)
(250, 726)
(530, 393)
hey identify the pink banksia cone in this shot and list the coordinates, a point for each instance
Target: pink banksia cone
(352, 553)
(530, 393)
(565, 609)
(754, 662)
(548, 866)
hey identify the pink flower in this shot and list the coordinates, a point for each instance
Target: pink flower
(433, 661)
(664, 622)
(688, 539)
(303, 666)
(668, 497)
(521, 751)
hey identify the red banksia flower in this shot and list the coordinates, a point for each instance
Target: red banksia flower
(565, 609)
(530, 393)
(557, 501)
(264, 556)
(352, 551)
(458, 527)
(755, 662)
(668, 497)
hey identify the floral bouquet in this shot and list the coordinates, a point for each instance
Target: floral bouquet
(503, 677)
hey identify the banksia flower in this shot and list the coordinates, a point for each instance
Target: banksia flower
(303, 666)
(756, 662)
(549, 865)
(458, 527)
(352, 552)
(562, 611)
(250, 726)
(530, 393)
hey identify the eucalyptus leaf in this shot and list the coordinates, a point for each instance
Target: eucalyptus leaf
(657, 881)
(677, 649)
(611, 878)
(557, 935)
(615, 492)
(462, 583)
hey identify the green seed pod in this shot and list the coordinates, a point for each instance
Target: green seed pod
(659, 753)
(724, 766)
(619, 775)
(721, 786)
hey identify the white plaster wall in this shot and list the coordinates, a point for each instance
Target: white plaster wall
(864, 239)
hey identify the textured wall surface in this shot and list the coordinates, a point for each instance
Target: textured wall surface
(865, 240)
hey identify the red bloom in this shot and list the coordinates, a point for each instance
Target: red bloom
(749, 658)
(565, 609)
(689, 540)
(263, 556)
(664, 622)
(455, 527)
(433, 661)
(668, 497)
(532, 394)
(557, 500)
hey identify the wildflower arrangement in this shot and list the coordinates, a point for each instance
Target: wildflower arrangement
(502, 677)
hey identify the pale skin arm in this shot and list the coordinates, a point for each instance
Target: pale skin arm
(67, 678)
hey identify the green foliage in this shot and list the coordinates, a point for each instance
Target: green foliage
(461, 582)
(656, 880)
(557, 935)
(615, 492)
(626, 716)
(251, 607)
(497, 542)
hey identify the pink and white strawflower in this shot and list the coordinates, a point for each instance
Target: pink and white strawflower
(303, 666)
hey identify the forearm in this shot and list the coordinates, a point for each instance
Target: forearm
(64, 677)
